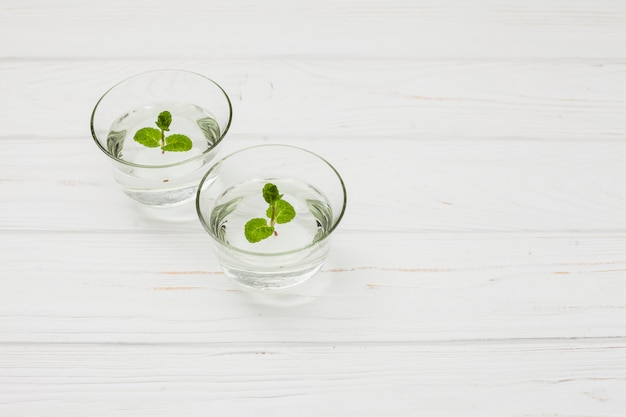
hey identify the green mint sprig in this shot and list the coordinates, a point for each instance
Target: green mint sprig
(279, 211)
(153, 138)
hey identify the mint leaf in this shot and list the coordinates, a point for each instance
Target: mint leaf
(283, 212)
(279, 211)
(152, 138)
(148, 136)
(164, 120)
(270, 193)
(257, 230)
(177, 143)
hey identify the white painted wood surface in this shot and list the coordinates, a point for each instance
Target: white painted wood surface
(481, 266)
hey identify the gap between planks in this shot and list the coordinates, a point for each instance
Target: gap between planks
(548, 343)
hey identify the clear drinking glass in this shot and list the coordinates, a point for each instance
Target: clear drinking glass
(200, 109)
(232, 193)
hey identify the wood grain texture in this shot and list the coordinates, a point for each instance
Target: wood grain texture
(413, 186)
(384, 287)
(397, 28)
(563, 378)
(413, 99)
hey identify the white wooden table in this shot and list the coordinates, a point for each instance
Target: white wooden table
(480, 269)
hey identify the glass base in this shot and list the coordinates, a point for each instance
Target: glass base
(163, 198)
(271, 280)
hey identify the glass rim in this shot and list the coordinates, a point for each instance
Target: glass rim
(135, 165)
(273, 254)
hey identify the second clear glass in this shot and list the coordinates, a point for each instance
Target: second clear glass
(233, 194)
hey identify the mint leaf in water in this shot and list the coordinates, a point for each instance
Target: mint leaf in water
(283, 212)
(270, 193)
(164, 120)
(257, 229)
(279, 211)
(177, 143)
(148, 136)
(153, 138)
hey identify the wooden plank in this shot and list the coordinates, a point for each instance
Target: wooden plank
(416, 186)
(398, 28)
(383, 287)
(564, 378)
(351, 99)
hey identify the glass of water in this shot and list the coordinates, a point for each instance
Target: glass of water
(146, 169)
(261, 242)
